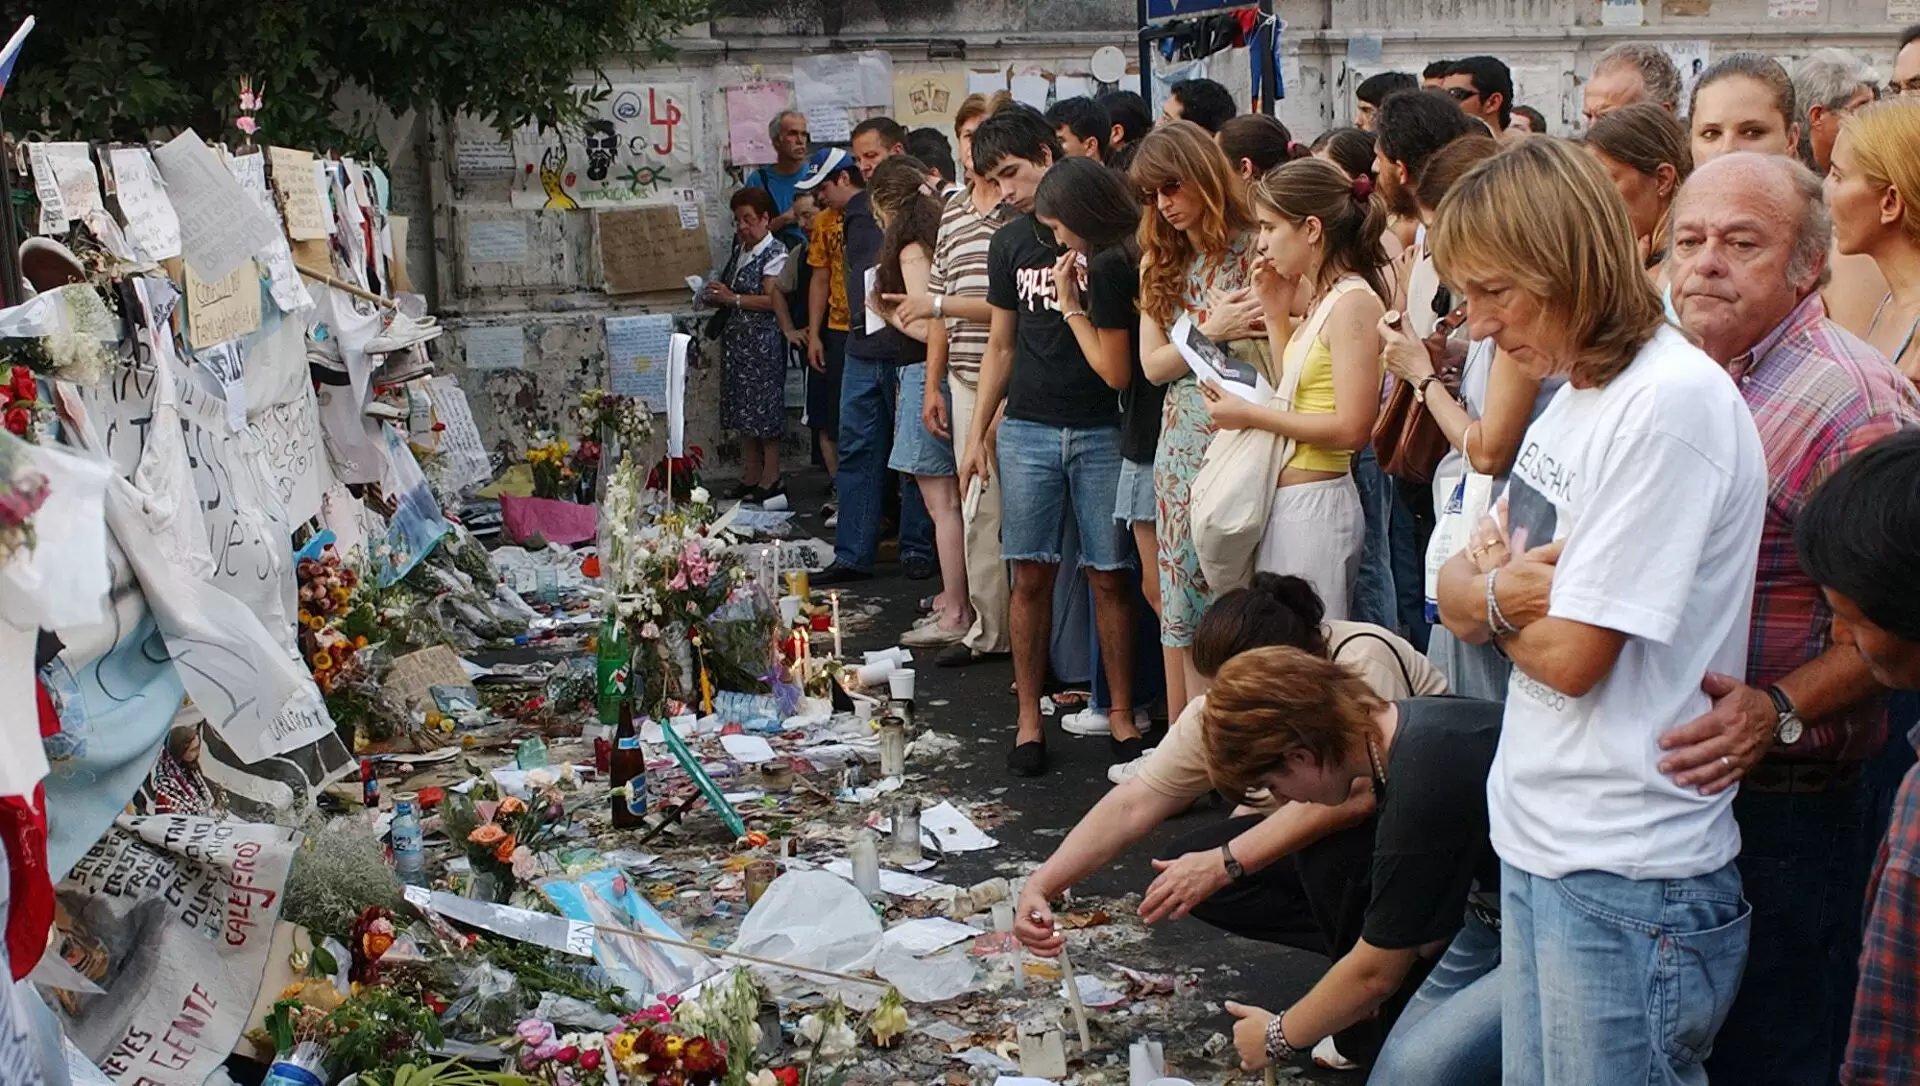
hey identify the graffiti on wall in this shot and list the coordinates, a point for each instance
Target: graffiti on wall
(640, 147)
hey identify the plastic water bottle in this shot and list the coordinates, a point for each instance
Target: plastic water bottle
(409, 855)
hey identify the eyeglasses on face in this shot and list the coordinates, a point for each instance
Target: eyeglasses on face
(1167, 189)
(1463, 94)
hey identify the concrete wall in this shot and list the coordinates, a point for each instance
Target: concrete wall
(554, 296)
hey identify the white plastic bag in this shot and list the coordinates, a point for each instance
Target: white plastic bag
(1471, 496)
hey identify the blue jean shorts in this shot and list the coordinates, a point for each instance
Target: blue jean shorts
(1047, 470)
(1135, 501)
(915, 451)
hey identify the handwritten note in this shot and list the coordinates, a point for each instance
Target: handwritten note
(283, 279)
(71, 165)
(460, 441)
(220, 226)
(227, 362)
(496, 347)
(472, 157)
(144, 208)
(222, 310)
(46, 188)
(293, 177)
(497, 241)
(826, 81)
(750, 111)
(637, 356)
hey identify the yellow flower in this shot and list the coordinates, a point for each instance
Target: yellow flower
(673, 1045)
(622, 1045)
(322, 662)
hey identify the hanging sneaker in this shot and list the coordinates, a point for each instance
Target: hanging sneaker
(402, 331)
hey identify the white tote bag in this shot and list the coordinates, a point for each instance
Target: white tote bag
(1233, 491)
(1469, 498)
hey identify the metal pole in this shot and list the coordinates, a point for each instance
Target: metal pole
(1146, 58)
(11, 288)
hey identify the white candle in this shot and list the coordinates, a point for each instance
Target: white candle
(806, 652)
(836, 625)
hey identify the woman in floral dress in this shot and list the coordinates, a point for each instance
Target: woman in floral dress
(753, 345)
(1197, 248)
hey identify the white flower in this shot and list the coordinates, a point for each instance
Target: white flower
(699, 495)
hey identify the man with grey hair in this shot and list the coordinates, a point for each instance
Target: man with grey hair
(1750, 241)
(1630, 72)
(1828, 85)
(791, 145)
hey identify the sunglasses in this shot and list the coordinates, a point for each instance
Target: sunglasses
(1463, 94)
(1167, 189)
(1911, 86)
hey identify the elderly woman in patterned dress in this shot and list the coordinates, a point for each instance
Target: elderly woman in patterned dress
(754, 346)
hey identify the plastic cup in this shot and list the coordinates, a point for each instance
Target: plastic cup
(870, 674)
(789, 611)
(900, 682)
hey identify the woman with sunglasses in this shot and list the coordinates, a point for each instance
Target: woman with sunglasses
(1196, 252)
(1483, 423)
(1319, 226)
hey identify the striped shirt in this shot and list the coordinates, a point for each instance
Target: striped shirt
(960, 268)
(1818, 395)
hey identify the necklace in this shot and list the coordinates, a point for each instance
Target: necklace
(1376, 767)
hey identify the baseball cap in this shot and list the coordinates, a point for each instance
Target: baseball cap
(824, 164)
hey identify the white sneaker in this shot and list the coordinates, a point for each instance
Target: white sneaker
(1125, 771)
(1329, 1057)
(1095, 722)
(832, 521)
(932, 635)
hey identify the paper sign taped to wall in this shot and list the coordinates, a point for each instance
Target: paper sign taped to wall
(223, 310)
(637, 357)
(144, 209)
(220, 226)
(751, 110)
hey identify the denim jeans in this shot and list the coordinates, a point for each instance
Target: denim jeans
(1449, 1033)
(1373, 599)
(1606, 980)
(1051, 473)
(867, 392)
(1805, 869)
(1409, 526)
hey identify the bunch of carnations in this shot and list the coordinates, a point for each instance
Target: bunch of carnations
(326, 592)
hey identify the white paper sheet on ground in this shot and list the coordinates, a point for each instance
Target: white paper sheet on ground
(1210, 363)
(955, 831)
(748, 748)
(929, 934)
(897, 883)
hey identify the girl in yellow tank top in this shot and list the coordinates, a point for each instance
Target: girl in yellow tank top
(1320, 227)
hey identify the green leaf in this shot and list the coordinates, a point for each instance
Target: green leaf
(324, 963)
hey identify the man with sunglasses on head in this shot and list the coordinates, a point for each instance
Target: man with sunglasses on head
(1484, 88)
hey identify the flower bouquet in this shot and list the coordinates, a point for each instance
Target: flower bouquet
(22, 494)
(623, 419)
(553, 473)
(504, 838)
(22, 411)
(684, 471)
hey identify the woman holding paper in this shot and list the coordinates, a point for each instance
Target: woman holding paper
(753, 390)
(1196, 249)
(1321, 227)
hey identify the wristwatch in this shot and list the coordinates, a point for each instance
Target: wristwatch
(1234, 870)
(1789, 727)
(1279, 1051)
(1420, 390)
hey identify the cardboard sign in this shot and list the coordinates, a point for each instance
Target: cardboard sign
(647, 249)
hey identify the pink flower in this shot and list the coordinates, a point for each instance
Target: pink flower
(247, 124)
(532, 1031)
(547, 1050)
(524, 866)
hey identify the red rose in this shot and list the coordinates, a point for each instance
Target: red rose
(24, 387)
(590, 1059)
(567, 1054)
(18, 420)
(787, 1076)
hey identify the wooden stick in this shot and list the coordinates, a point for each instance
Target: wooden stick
(342, 284)
(1073, 997)
(718, 953)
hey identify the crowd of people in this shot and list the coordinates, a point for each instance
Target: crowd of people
(1607, 438)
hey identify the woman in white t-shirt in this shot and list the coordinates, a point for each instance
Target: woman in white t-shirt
(1637, 496)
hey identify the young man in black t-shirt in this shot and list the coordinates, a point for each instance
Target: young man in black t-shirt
(1059, 444)
(1307, 729)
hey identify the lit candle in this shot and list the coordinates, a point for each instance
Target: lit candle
(836, 625)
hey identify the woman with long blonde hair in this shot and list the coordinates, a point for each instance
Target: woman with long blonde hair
(1873, 192)
(1320, 228)
(1196, 248)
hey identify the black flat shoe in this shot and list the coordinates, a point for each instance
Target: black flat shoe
(918, 569)
(1126, 750)
(839, 574)
(1028, 759)
(959, 655)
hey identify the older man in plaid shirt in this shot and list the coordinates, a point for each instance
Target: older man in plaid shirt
(1859, 539)
(1751, 236)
